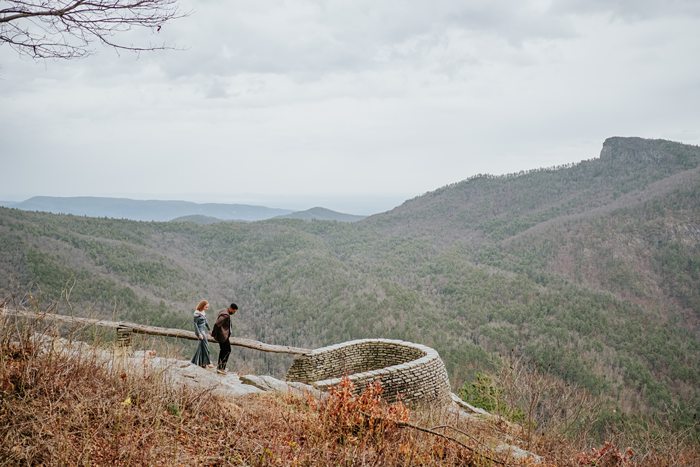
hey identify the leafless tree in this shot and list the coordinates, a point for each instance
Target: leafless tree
(66, 28)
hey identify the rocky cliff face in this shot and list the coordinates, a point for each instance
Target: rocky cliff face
(667, 156)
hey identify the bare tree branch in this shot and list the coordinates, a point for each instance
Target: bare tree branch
(66, 28)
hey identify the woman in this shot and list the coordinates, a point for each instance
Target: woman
(201, 329)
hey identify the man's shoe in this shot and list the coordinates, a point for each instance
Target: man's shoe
(221, 372)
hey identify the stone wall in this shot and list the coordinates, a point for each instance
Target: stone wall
(410, 372)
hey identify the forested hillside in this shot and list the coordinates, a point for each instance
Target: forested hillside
(322, 214)
(588, 271)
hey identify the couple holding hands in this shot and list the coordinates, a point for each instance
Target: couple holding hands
(221, 333)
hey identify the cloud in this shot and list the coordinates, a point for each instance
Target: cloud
(629, 10)
(303, 97)
(309, 39)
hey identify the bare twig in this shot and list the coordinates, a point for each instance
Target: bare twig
(438, 434)
(66, 28)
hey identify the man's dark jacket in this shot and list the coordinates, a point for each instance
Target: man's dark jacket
(222, 328)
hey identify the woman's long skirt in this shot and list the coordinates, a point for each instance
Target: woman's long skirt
(202, 356)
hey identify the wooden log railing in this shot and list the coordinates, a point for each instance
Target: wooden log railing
(152, 330)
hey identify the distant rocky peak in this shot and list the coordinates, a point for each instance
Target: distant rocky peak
(635, 150)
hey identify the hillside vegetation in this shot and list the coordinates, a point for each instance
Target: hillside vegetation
(322, 214)
(588, 272)
(63, 402)
(60, 407)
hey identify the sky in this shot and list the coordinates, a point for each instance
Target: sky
(352, 105)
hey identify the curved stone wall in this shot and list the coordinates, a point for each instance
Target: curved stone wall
(411, 372)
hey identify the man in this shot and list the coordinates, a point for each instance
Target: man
(221, 332)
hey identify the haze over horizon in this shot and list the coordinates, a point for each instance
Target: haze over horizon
(353, 107)
(360, 205)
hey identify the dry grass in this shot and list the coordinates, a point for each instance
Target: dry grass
(63, 409)
(559, 419)
(70, 408)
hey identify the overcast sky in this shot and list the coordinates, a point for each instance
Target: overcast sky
(352, 105)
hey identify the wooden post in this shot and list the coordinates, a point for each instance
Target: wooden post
(124, 340)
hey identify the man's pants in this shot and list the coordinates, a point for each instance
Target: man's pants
(224, 352)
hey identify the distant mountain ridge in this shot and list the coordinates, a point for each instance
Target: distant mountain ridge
(170, 210)
(319, 213)
(497, 207)
(198, 219)
(146, 210)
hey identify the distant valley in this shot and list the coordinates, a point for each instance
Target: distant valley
(589, 272)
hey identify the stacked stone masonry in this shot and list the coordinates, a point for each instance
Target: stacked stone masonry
(410, 372)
